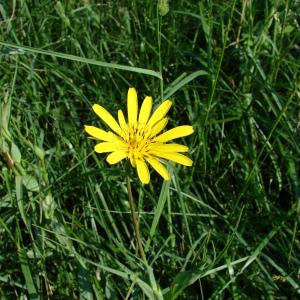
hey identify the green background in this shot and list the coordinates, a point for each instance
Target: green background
(226, 228)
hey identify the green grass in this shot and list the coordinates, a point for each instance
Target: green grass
(227, 228)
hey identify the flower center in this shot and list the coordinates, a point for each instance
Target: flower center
(137, 138)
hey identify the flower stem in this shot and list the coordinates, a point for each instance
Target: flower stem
(135, 222)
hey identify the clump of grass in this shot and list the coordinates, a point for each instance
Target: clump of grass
(228, 228)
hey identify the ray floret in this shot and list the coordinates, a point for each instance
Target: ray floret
(140, 139)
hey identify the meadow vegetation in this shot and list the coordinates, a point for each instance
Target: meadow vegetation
(226, 228)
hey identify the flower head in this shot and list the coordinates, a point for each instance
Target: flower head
(140, 139)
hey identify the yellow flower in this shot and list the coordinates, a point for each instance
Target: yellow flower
(139, 139)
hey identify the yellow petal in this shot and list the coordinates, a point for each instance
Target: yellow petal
(160, 112)
(145, 110)
(105, 147)
(143, 171)
(159, 168)
(132, 161)
(132, 106)
(177, 157)
(175, 133)
(106, 117)
(169, 148)
(121, 118)
(97, 133)
(116, 156)
(158, 127)
(118, 141)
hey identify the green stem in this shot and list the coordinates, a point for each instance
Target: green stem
(135, 222)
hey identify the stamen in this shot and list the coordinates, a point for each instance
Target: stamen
(136, 138)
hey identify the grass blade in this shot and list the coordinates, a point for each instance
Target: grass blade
(83, 60)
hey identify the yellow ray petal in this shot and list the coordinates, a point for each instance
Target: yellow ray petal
(97, 133)
(105, 147)
(158, 127)
(159, 168)
(145, 110)
(116, 156)
(132, 106)
(121, 118)
(132, 161)
(160, 112)
(169, 148)
(143, 171)
(175, 133)
(118, 141)
(106, 117)
(177, 157)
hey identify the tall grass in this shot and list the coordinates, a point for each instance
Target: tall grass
(226, 228)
